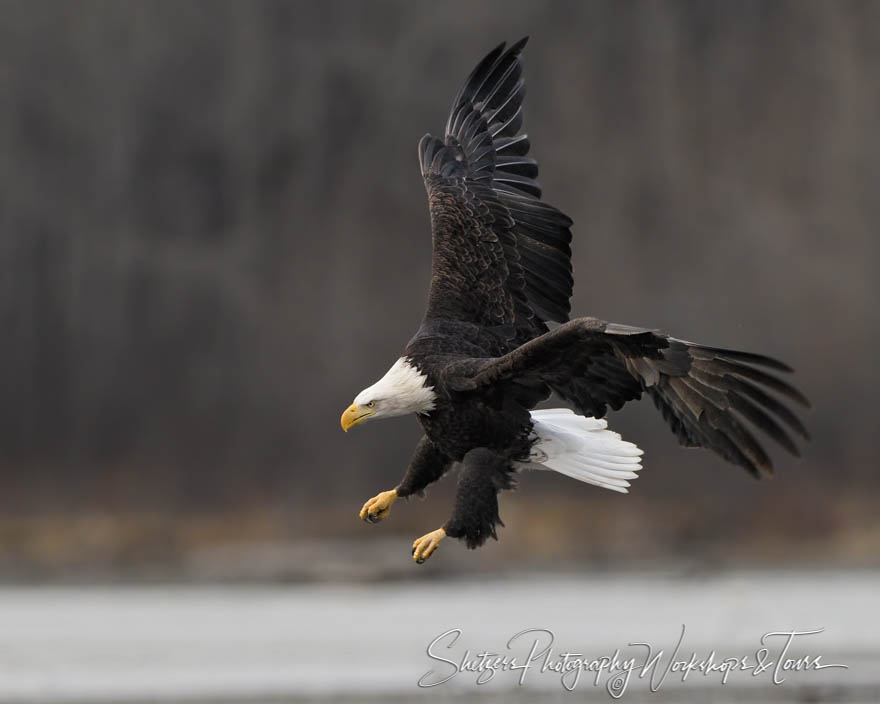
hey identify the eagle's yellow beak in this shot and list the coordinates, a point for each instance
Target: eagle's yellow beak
(353, 415)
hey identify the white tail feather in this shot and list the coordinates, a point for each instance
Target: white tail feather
(583, 448)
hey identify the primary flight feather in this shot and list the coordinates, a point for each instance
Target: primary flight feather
(484, 356)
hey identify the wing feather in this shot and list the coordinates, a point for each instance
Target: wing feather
(710, 397)
(501, 256)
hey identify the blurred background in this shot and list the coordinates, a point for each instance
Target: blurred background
(214, 234)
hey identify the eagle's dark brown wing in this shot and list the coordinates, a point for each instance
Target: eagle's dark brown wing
(709, 396)
(501, 257)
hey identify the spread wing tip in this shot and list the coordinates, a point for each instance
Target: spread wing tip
(483, 146)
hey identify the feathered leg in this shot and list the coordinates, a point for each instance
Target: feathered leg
(475, 515)
(427, 466)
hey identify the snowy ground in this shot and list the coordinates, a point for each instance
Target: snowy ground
(369, 642)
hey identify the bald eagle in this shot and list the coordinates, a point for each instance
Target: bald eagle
(485, 354)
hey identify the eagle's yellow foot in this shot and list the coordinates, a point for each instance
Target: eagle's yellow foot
(425, 546)
(378, 507)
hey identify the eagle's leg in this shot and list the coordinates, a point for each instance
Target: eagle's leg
(484, 473)
(375, 509)
(425, 546)
(428, 465)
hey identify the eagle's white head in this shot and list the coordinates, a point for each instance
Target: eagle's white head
(403, 389)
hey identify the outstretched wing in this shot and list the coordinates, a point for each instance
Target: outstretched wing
(706, 394)
(501, 256)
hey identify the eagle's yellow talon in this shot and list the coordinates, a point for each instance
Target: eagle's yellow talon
(425, 546)
(378, 507)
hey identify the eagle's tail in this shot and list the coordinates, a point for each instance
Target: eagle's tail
(583, 448)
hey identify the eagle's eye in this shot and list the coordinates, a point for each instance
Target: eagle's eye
(371, 404)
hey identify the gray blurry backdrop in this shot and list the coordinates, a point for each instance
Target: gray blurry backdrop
(213, 234)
